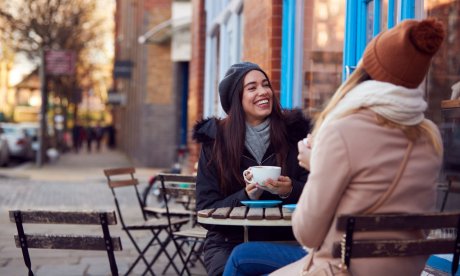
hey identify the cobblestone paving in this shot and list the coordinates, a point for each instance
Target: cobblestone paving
(75, 183)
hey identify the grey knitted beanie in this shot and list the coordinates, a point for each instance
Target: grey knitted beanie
(228, 85)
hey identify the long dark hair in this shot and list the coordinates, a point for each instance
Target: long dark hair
(229, 144)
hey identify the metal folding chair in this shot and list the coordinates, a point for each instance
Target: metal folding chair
(66, 241)
(176, 186)
(123, 177)
(452, 186)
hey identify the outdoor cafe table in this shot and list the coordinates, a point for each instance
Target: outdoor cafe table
(245, 216)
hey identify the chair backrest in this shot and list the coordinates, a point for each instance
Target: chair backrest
(123, 177)
(175, 186)
(127, 175)
(66, 241)
(452, 185)
(349, 248)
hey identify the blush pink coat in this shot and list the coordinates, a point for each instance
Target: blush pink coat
(354, 163)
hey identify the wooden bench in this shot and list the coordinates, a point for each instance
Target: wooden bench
(52, 241)
(350, 248)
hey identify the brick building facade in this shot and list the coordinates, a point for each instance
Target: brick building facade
(304, 46)
(146, 122)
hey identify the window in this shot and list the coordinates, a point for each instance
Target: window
(223, 48)
(323, 49)
(445, 66)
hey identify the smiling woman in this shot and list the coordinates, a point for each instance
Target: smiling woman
(257, 97)
(256, 132)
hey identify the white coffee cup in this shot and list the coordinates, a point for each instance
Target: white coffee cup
(260, 174)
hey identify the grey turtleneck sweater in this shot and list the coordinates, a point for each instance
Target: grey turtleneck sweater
(258, 139)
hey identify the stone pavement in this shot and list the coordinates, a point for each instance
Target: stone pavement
(74, 182)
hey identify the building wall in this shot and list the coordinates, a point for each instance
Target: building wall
(445, 66)
(196, 80)
(146, 125)
(160, 134)
(262, 36)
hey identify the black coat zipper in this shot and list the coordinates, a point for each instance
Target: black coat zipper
(260, 164)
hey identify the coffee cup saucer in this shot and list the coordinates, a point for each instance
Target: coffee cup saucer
(261, 203)
(290, 207)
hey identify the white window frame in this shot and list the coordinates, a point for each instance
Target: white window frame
(225, 21)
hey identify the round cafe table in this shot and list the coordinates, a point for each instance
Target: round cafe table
(245, 216)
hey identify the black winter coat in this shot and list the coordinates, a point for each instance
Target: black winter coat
(209, 195)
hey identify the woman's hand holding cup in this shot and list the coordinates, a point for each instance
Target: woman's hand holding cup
(252, 190)
(304, 146)
(281, 186)
(266, 178)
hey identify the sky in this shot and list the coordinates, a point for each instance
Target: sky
(22, 67)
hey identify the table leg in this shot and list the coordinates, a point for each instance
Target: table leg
(245, 233)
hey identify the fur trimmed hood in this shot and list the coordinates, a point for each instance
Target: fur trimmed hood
(297, 125)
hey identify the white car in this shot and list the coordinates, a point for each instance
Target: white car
(19, 144)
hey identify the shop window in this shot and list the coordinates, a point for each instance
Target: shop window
(445, 67)
(443, 82)
(322, 55)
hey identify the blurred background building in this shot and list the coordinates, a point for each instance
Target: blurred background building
(149, 100)
(171, 55)
(160, 61)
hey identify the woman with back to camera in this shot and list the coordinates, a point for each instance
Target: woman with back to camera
(255, 132)
(372, 123)
(359, 142)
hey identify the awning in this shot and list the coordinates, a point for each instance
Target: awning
(164, 31)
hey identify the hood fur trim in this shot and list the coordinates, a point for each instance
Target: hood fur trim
(297, 126)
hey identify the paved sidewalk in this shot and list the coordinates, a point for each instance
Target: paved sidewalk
(76, 167)
(74, 182)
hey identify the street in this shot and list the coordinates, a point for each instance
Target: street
(74, 182)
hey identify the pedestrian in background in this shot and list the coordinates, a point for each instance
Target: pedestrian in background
(255, 132)
(98, 135)
(77, 136)
(90, 137)
(111, 136)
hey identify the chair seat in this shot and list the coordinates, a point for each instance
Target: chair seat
(156, 223)
(196, 232)
(172, 211)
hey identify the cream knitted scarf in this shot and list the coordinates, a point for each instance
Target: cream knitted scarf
(396, 103)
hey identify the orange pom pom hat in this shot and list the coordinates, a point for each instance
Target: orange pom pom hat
(402, 55)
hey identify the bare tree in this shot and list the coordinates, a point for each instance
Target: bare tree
(32, 25)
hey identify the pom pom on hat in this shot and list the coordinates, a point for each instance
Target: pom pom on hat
(427, 36)
(402, 55)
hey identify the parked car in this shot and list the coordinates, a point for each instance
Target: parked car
(19, 144)
(31, 130)
(4, 152)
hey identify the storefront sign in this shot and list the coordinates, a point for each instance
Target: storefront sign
(59, 62)
(116, 98)
(122, 69)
